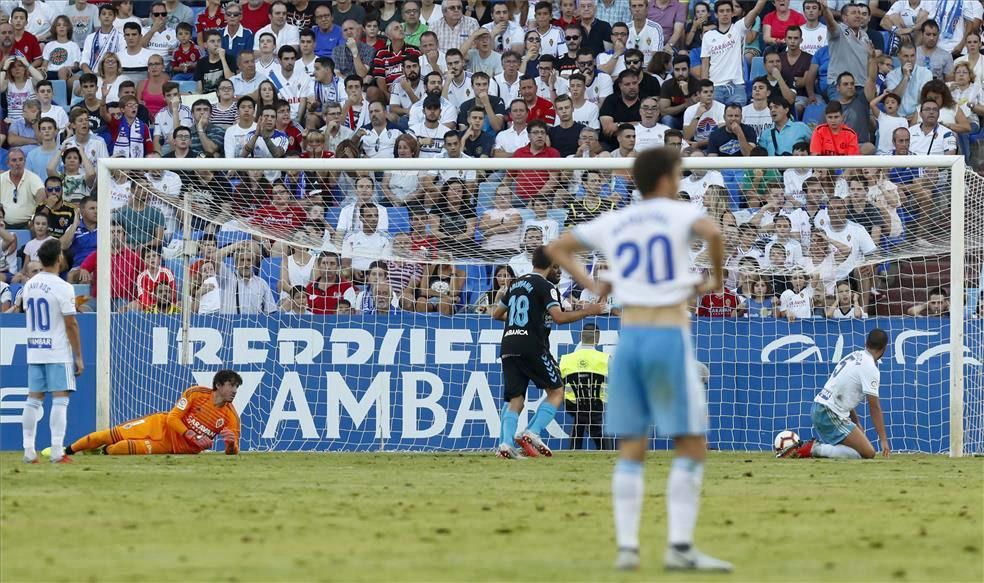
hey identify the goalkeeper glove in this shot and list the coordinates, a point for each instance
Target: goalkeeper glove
(199, 441)
(227, 435)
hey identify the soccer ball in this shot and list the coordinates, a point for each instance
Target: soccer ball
(785, 439)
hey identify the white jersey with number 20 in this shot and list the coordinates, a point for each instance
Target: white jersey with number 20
(854, 377)
(648, 250)
(47, 300)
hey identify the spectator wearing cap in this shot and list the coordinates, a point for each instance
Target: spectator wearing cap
(434, 82)
(833, 138)
(535, 183)
(785, 133)
(430, 132)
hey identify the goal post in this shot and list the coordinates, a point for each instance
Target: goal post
(748, 395)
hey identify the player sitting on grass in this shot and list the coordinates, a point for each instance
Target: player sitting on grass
(197, 418)
(834, 420)
(653, 377)
(529, 308)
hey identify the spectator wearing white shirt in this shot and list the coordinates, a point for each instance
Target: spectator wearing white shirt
(841, 230)
(551, 37)
(408, 89)
(703, 117)
(453, 149)
(585, 111)
(508, 80)
(597, 84)
(644, 34)
(247, 80)
(160, 37)
(39, 18)
(235, 135)
(506, 34)
(285, 33)
(814, 31)
(172, 115)
(293, 85)
(266, 141)
(542, 221)
(649, 132)
(549, 83)
(266, 56)
(796, 303)
(515, 137)
(102, 41)
(350, 216)
(695, 185)
(502, 224)
(930, 138)
(378, 137)
(361, 247)
(430, 133)
(457, 86)
(434, 82)
(722, 52)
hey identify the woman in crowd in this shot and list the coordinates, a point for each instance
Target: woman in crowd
(401, 187)
(295, 269)
(973, 56)
(78, 173)
(17, 83)
(439, 289)
(455, 228)
(266, 95)
(224, 111)
(951, 116)
(110, 77)
(150, 91)
(503, 277)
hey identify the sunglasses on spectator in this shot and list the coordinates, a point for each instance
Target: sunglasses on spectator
(572, 38)
(161, 14)
(53, 188)
(632, 62)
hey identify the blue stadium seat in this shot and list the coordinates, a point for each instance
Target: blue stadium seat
(331, 215)
(177, 268)
(60, 92)
(82, 289)
(813, 115)
(22, 235)
(399, 220)
(478, 279)
(14, 288)
(223, 238)
(270, 272)
(188, 86)
(527, 214)
(757, 69)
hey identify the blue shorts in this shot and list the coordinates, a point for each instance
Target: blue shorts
(653, 379)
(829, 427)
(51, 377)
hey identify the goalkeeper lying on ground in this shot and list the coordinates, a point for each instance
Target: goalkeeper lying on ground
(197, 418)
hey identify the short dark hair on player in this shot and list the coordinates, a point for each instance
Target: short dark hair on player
(50, 252)
(540, 258)
(652, 166)
(225, 376)
(877, 339)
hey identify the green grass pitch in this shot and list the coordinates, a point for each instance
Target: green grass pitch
(471, 517)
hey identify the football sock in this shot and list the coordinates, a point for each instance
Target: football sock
(627, 490)
(683, 499)
(545, 413)
(835, 451)
(507, 427)
(57, 423)
(29, 425)
(91, 441)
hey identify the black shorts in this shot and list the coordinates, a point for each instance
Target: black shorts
(519, 370)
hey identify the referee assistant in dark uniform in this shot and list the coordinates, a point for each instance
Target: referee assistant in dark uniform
(585, 374)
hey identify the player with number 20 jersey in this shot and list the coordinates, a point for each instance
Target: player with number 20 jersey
(653, 376)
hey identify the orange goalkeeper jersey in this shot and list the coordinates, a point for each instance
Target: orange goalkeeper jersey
(196, 411)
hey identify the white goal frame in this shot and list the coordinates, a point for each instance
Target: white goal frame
(955, 164)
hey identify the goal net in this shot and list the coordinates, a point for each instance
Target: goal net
(354, 295)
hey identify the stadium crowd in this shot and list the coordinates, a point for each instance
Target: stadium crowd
(82, 81)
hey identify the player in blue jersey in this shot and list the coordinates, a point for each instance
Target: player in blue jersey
(529, 308)
(653, 377)
(54, 350)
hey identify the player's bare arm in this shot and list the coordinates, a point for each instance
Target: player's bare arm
(878, 418)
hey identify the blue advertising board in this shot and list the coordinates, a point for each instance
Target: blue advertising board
(424, 382)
